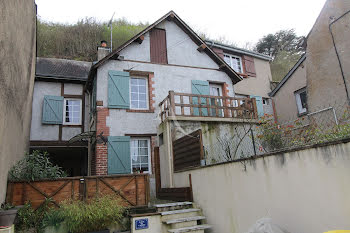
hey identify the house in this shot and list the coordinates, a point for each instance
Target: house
(17, 68)
(60, 112)
(319, 81)
(254, 68)
(163, 74)
(290, 96)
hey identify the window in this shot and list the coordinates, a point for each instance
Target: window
(140, 155)
(72, 112)
(139, 93)
(265, 101)
(216, 90)
(235, 62)
(301, 100)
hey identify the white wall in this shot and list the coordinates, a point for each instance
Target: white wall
(302, 191)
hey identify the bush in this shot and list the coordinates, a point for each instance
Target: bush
(35, 166)
(79, 216)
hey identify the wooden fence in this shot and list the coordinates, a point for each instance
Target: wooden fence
(191, 105)
(133, 189)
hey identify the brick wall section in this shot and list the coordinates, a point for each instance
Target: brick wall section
(101, 149)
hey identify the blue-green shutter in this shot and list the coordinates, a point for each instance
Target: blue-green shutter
(200, 88)
(118, 89)
(52, 110)
(119, 161)
(259, 104)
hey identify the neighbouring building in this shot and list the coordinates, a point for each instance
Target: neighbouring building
(320, 80)
(163, 74)
(17, 68)
(60, 112)
(290, 95)
(254, 68)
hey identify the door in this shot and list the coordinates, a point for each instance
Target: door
(200, 88)
(216, 90)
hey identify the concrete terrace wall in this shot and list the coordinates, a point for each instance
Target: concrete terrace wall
(17, 68)
(302, 191)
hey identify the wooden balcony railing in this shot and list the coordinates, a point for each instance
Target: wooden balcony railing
(192, 105)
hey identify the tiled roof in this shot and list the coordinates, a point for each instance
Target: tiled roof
(62, 69)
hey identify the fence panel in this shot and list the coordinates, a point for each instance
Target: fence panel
(132, 189)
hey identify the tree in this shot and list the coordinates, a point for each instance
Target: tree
(285, 48)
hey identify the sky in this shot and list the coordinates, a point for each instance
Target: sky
(242, 22)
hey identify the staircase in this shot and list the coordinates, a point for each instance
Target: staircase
(181, 217)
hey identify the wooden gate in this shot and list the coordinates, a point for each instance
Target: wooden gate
(133, 189)
(174, 194)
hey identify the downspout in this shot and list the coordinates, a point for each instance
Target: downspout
(336, 52)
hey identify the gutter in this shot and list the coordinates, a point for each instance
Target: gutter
(239, 50)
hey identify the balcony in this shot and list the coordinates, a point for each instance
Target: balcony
(193, 105)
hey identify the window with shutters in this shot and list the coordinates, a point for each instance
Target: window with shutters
(52, 110)
(301, 100)
(140, 155)
(235, 62)
(72, 112)
(139, 93)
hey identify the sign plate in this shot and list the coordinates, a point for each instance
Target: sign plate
(141, 223)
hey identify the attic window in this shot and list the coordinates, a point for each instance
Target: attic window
(235, 62)
(158, 46)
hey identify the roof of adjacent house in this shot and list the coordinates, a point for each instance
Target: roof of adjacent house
(289, 74)
(238, 50)
(175, 18)
(62, 69)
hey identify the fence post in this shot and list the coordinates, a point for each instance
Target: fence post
(82, 189)
(172, 103)
(253, 141)
(255, 109)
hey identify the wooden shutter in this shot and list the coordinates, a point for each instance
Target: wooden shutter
(119, 161)
(52, 110)
(249, 66)
(158, 46)
(200, 88)
(118, 89)
(259, 105)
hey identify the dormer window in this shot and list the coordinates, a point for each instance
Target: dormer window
(235, 62)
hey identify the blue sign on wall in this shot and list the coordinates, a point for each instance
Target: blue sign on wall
(141, 224)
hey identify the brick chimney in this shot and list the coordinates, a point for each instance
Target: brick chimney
(102, 50)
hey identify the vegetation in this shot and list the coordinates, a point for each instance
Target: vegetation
(285, 48)
(35, 166)
(79, 41)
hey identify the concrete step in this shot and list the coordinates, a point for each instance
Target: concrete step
(198, 228)
(194, 218)
(173, 206)
(176, 214)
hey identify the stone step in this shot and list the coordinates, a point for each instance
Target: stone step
(197, 228)
(173, 204)
(194, 218)
(179, 211)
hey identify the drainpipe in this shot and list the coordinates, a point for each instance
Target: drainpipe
(336, 52)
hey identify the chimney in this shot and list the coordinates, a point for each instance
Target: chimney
(102, 50)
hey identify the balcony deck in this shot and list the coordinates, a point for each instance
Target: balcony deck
(193, 105)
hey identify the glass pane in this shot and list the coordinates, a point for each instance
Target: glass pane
(143, 143)
(142, 82)
(134, 104)
(144, 159)
(143, 151)
(142, 104)
(303, 99)
(133, 81)
(134, 88)
(134, 96)
(142, 89)
(142, 97)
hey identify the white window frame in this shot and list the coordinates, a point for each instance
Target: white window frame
(147, 93)
(231, 65)
(300, 108)
(64, 111)
(149, 152)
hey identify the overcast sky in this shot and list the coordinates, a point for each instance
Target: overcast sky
(239, 21)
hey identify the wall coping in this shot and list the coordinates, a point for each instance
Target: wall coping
(211, 119)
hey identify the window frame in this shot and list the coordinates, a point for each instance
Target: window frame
(299, 102)
(147, 92)
(149, 153)
(80, 110)
(240, 60)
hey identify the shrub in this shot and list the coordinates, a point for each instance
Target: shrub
(35, 166)
(98, 214)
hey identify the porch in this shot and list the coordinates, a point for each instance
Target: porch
(193, 105)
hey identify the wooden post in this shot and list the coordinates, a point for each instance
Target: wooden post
(191, 191)
(172, 103)
(255, 110)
